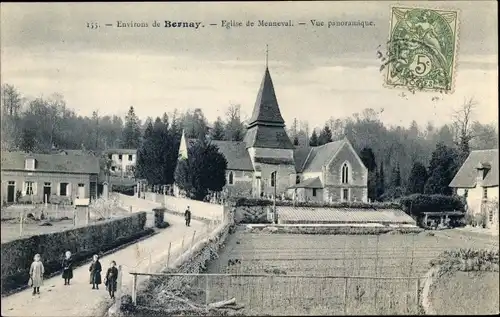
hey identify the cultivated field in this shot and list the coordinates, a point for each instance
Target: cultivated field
(303, 274)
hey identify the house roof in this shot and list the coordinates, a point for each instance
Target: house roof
(54, 163)
(309, 183)
(75, 152)
(319, 156)
(120, 151)
(235, 152)
(467, 174)
(266, 109)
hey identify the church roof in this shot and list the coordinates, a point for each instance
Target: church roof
(466, 176)
(268, 137)
(235, 152)
(300, 154)
(266, 127)
(266, 109)
(309, 183)
(318, 156)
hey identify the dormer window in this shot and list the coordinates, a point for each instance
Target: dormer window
(30, 164)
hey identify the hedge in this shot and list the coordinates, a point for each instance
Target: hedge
(242, 201)
(416, 204)
(124, 189)
(83, 242)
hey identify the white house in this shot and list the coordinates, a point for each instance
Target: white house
(477, 181)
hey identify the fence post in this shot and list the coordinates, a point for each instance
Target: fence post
(134, 289)
(130, 208)
(87, 216)
(119, 281)
(207, 291)
(182, 244)
(150, 262)
(21, 220)
(74, 217)
(345, 296)
(417, 286)
(192, 241)
(168, 255)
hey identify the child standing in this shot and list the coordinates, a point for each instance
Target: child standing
(36, 274)
(95, 272)
(111, 279)
(67, 265)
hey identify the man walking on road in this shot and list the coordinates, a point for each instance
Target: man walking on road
(187, 216)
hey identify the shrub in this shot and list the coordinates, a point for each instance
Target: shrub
(241, 201)
(60, 200)
(416, 204)
(467, 260)
(159, 216)
(124, 189)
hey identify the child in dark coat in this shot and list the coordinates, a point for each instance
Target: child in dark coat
(111, 279)
(67, 266)
(95, 272)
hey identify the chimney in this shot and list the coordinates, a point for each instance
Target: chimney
(482, 170)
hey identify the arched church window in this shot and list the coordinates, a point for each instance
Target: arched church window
(230, 177)
(345, 173)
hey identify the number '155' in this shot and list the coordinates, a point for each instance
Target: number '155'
(92, 25)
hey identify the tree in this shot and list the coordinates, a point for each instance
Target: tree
(462, 126)
(417, 179)
(204, 170)
(296, 140)
(381, 181)
(485, 136)
(368, 159)
(325, 135)
(396, 176)
(442, 169)
(217, 132)
(131, 131)
(234, 129)
(314, 139)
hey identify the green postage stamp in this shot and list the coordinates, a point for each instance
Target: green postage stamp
(421, 51)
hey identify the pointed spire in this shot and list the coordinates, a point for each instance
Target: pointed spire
(266, 110)
(267, 55)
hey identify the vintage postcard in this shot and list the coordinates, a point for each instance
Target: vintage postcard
(249, 158)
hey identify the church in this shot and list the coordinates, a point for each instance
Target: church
(266, 161)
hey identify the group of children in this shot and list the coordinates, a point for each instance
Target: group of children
(110, 281)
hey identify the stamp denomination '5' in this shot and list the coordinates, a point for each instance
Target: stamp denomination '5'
(422, 49)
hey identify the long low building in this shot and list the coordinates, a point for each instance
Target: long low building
(310, 215)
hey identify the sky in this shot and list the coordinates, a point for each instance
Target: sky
(318, 72)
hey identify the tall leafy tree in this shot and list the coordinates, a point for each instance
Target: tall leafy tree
(368, 159)
(296, 140)
(417, 179)
(314, 139)
(217, 132)
(396, 176)
(381, 181)
(204, 170)
(234, 129)
(442, 169)
(131, 131)
(325, 136)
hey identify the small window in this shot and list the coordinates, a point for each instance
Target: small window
(273, 179)
(120, 157)
(345, 194)
(63, 189)
(130, 157)
(81, 185)
(12, 182)
(485, 192)
(314, 192)
(46, 184)
(230, 178)
(297, 179)
(29, 188)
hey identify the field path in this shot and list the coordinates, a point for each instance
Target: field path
(78, 299)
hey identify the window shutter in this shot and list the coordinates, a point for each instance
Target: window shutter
(68, 190)
(34, 188)
(24, 188)
(58, 189)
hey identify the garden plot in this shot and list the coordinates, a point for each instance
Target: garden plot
(307, 274)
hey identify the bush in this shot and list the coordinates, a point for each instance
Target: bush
(467, 260)
(416, 204)
(60, 200)
(241, 201)
(124, 189)
(83, 242)
(159, 216)
(28, 200)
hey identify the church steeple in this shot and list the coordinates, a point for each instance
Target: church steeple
(266, 127)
